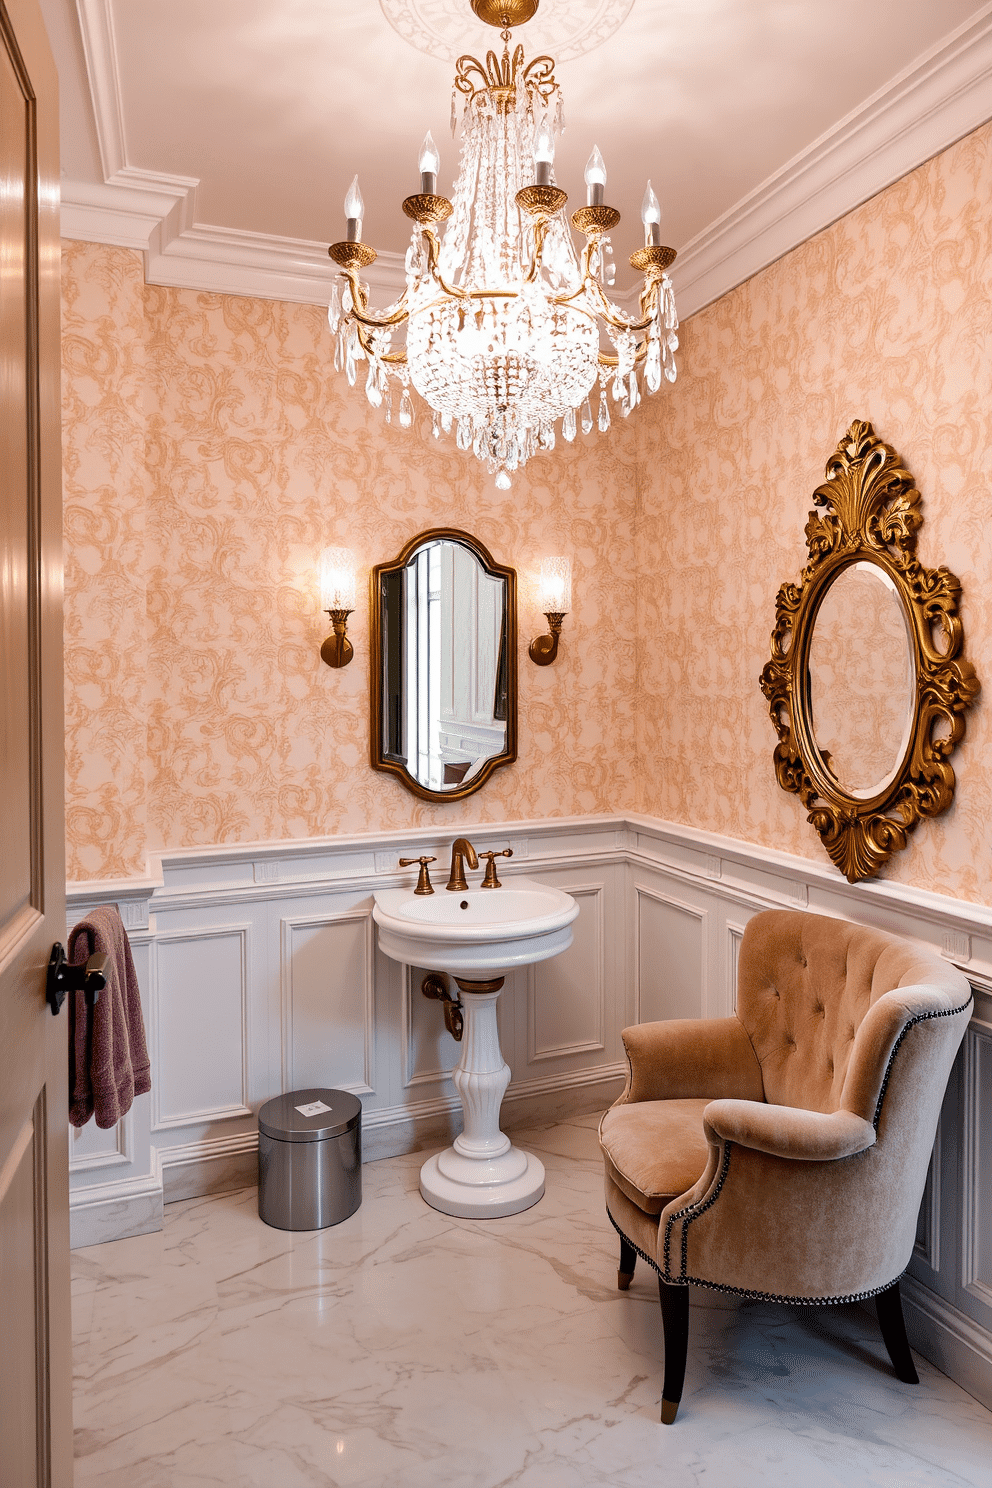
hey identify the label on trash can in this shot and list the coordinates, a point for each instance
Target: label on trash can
(314, 1108)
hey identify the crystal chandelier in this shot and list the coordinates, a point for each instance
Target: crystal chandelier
(502, 316)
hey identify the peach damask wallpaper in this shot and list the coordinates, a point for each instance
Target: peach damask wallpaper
(884, 316)
(210, 453)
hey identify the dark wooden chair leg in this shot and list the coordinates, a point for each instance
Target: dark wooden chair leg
(675, 1320)
(628, 1260)
(888, 1305)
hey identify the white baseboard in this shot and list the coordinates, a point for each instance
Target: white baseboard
(115, 1211)
(959, 1348)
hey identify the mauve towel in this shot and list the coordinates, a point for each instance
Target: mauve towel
(108, 1057)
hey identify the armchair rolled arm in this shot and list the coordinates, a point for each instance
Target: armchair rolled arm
(691, 1059)
(788, 1131)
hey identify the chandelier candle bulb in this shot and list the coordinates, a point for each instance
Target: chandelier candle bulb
(651, 217)
(430, 164)
(595, 178)
(544, 155)
(354, 211)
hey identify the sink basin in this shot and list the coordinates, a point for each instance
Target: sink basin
(481, 932)
(478, 935)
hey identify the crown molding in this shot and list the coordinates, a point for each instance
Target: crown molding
(941, 97)
(924, 109)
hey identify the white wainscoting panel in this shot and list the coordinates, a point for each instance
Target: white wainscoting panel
(328, 1001)
(566, 996)
(669, 956)
(202, 1021)
(735, 934)
(976, 1259)
(92, 1147)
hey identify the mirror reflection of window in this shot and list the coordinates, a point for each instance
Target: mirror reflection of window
(445, 678)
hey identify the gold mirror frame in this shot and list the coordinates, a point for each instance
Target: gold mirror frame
(872, 514)
(378, 759)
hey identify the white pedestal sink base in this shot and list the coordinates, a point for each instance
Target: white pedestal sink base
(481, 1176)
(485, 1194)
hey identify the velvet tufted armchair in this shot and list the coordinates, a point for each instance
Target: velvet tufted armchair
(782, 1153)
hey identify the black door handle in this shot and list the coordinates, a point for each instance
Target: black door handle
(63, 978)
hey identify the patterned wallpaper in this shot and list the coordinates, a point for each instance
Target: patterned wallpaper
(884, 316)
(210, 453)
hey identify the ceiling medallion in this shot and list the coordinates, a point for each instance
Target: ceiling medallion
(568, 28)
(502, 313)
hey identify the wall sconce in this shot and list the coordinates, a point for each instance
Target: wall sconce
(555, 601)
(337, 597)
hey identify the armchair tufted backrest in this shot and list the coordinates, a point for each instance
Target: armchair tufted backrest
(805, 984)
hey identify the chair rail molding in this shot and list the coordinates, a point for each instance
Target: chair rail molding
(935, 101)
(296, 976)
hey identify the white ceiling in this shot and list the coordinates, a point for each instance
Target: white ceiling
(265, 109)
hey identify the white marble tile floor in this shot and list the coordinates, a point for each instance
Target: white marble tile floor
(405, 1349)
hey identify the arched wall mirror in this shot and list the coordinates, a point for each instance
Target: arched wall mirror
(867, 685)
(443, 665)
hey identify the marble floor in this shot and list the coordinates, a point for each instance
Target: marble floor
(406, 1348)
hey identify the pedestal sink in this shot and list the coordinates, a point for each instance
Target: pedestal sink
(478, 935)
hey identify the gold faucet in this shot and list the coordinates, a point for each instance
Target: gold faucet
(461, 849)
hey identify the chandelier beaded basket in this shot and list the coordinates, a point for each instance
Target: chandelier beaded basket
(502, 316)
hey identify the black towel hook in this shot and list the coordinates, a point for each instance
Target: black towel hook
(63, 978)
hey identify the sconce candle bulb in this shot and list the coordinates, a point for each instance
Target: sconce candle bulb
(556, 601)
(337, 597)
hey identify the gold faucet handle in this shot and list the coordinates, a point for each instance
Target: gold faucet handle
(491, 881)
(424, 885)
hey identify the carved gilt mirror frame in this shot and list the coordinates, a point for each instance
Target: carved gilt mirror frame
(871, 516)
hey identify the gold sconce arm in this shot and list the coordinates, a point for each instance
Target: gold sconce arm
(543, 649)
(337, 650)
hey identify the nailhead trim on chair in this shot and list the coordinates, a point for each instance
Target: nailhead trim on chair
(747, 1292)
(691, 1211)
(920, 1018)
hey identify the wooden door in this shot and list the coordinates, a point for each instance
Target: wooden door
(35, 1329)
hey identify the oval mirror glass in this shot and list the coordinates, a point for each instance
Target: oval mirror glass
(862, 672)
(444, 695)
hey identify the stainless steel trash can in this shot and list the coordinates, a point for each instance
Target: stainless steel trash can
(309, 1159)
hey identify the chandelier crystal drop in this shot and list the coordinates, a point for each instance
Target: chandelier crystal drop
(503, 316)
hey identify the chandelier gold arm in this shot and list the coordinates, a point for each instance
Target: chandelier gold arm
(395, 358)
(609, 315)
(360, 306)
(433, 259)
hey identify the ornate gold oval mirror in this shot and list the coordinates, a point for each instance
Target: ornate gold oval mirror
(867, 685)
(443, 665)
